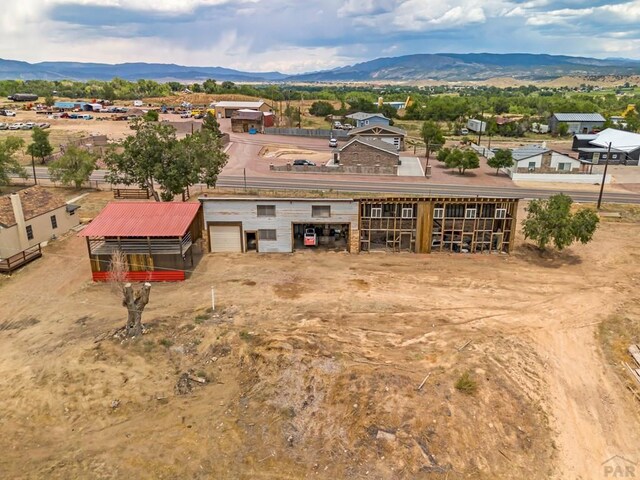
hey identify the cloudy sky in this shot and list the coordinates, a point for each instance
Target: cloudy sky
(304, 35)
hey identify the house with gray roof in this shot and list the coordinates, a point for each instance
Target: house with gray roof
(392, 135)
(361, 119)
(594, 148)
(369, 153)
(540, 159)
(576, 122)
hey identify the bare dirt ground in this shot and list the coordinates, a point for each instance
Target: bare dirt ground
(312, 364)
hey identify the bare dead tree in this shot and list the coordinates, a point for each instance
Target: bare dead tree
(134, 301)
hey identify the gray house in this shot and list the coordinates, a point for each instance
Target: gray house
(279, 224)
(577, 122)
(361, 119)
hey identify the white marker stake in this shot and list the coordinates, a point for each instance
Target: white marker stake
(213, 300)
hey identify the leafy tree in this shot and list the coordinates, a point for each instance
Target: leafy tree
(9, 164)
(321, 109)
(209, 85)
(196, 88)
(74, 167)
(432, 136)
(443, 154)
(151, 116)
(503, 158)
(49, 101)
(211, 124)
(462, 160)
(108, 92)
(40, 146)
(361, 105)
(551, 221)
(501, 106)
(563, 129)
(388, 111)
(153, 155)
(227, 85)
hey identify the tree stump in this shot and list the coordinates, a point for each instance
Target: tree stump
(135, 303)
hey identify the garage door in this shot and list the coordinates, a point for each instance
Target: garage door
(225, 238)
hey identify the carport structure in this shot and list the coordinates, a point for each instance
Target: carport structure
(156, 238)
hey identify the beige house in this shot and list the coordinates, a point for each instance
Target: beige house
(369, 153)
(32, 216)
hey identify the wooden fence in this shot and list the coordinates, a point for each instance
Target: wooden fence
(131, 193)
(16, 261)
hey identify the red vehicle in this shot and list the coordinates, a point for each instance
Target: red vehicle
(310, 238)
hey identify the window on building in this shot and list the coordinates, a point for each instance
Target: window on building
(376, 212)
(501, 213)
(54, 222)
(564, 166)
(407, 212)
(266, 210)
(470, 213)
(438, 213)
(267, 235)
(29, 232)
(320, 211)
(532, 165)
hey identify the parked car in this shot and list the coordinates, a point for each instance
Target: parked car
(8, 113)
(333, 143)
(44, 125)
(185, 115)
(337, 125)
(15, 126)
(347, 126)
(3, 126)
(304, 162)
(26, 126)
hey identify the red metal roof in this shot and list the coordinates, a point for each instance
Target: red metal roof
(142, 219)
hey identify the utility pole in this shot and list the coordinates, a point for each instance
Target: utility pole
(604, 176)
(481, 122)
(33, 165)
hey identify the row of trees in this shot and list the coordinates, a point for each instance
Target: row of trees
(152, 158)
(323, 108)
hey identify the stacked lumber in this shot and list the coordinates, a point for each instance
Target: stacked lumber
(634, 350)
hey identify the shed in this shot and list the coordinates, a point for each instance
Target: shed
(156, 238)
(225, 109)
(245, 120)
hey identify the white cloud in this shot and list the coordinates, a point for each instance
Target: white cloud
(165, 6)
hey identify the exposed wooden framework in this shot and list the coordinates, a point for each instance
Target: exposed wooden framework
(438, 224)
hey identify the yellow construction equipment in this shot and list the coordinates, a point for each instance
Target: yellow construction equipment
(409, 102)
(631, 108)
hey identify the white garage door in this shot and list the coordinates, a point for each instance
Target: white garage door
(225, 238)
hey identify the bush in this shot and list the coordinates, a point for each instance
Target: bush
(321, 109)
(466, 384)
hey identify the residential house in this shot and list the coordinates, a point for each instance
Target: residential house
(392, 135)
(577, 122)
(157, 239)
(411, 224)
(369, 153)
(595, 148)
(361, 119)
(33, 216)
(225, 109)
(540, 159)
(246, 120)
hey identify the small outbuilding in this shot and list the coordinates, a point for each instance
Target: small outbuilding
(253, 121)
(576, 122)
(156, 238)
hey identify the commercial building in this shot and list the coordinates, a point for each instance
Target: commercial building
(408, 224)
(619, 146)
(225, 109)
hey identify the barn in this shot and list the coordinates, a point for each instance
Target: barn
(157, 239)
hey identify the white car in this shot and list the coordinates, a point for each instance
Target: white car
(333, 143)
(3, 126)
(15, 126)
(27, 126)
(9, 113)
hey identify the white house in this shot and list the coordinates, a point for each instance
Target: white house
(540, 159)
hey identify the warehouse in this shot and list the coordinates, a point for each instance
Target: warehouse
(225, 109)
(411, 224)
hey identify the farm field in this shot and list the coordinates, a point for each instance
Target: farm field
(312, 364)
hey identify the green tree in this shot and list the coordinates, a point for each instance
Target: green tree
(151, 116)
(108, 92)
(40, 146)
(462, 160)
(74, 167)
(209, 85)
(432, 136)
(443, 154)
(153, 155)
(321, 109)
(563, 129)
(503, 158)
(9, 164)
(49, 101)
(551, 221)
(211, 124)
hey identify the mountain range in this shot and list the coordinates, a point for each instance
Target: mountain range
(441, 66)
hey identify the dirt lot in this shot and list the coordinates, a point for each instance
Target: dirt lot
(312, 365)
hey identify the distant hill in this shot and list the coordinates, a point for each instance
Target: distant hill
(472, 66)
(440, 66)
(11, 69)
